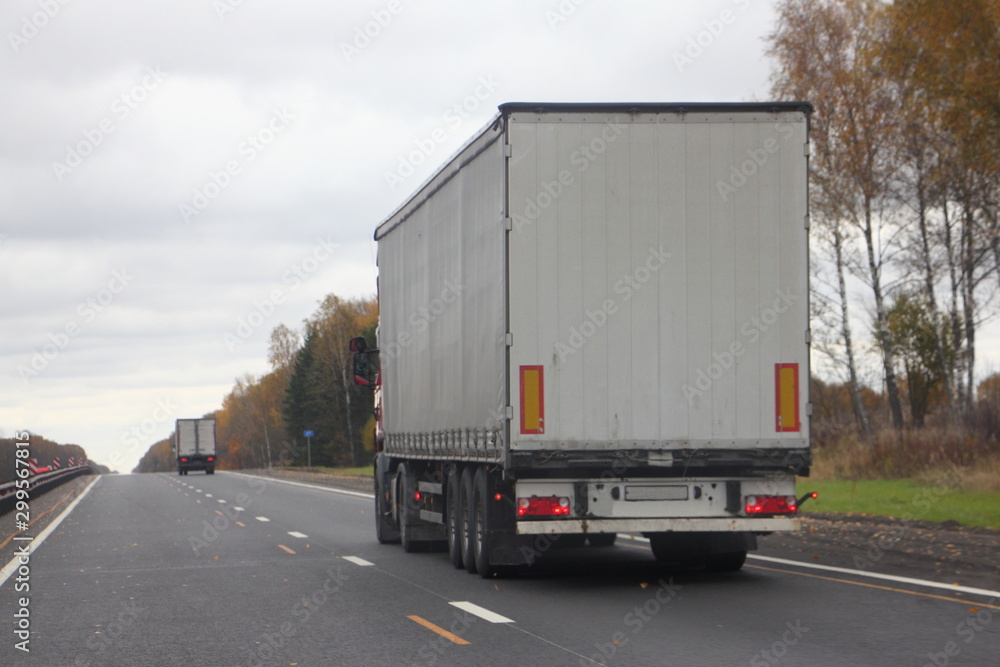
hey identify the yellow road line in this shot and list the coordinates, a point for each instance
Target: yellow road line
(884, 588)
(286, 548)
(439, 630)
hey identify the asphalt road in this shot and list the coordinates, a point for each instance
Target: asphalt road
(236, 570)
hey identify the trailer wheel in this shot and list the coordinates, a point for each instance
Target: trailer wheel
(210, 471)
(685, 549)
(453, 489)
(467, 519)
(405, 508)
(483, 526)
(180, 471)
(601, 539)
(385, 532)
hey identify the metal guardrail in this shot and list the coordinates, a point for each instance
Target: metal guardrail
(39, 484)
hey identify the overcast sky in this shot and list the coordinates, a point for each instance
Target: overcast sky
(172, 169)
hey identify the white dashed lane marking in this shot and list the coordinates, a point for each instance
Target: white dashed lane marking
(358, 561)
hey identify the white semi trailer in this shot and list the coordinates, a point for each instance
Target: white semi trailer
(594, 320)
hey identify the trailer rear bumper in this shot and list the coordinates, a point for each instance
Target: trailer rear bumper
(755, 525)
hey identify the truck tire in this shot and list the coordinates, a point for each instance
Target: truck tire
(385, 531)
(467, 519)
(602, 539)
(180, 471)
(453, 491)
(210, 471)
(728, 562)
(405, 510)
(481, 523)
(685, 549)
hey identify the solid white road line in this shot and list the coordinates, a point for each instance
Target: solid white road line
(484, 614)
(859, 573)
(356, 494)
(33, 545)
(358, 561)
(876, 575)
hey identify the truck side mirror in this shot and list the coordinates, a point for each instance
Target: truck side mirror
(366, 368)
(359, 344)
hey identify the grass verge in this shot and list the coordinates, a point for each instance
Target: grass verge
(905, 499)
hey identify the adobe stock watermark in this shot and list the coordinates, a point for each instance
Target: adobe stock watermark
(924, 500)
(779, 649)
(968, 629)
(451, 119)
(32, 25)
(368, 32)
(751, 331)
(293, 278)
(133, 437)
(225, 7)
(228, 515)
(635, 620)
(422, 318)
(271, 643)
(88, 311)
(550, 191)
(713, 29)
(562, 12)
(625, 287)
(740, 175)
(247, 152)
(102, 641)
(437, 646)
(121, 108)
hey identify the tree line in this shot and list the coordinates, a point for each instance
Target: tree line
(905, 167)
(310, 387)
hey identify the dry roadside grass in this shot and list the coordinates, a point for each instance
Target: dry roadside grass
(932, 456)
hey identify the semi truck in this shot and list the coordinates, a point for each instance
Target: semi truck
(593, 320)
(195, 445)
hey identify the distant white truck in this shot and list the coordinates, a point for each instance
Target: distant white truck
(195, 445)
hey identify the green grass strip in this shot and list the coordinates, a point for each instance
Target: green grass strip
(905, 499)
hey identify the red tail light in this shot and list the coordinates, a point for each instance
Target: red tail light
(211, 458)
(535, 506)
(184, 459)
(771, 505)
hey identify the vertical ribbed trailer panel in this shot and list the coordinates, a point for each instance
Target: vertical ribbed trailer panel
(658, 273)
